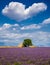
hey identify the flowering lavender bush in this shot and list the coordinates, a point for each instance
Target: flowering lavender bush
(25, 56)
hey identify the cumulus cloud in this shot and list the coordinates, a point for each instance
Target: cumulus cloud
(41, 38)
(19, 12)
(32, 26)
(9, 37)
(11, 34)
(36, 26)
(46, 21)
(8, 26)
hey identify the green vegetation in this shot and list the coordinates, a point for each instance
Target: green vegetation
(27, 43)
(30, 62)
(49, 62)
(8, 63)
(17, 63)
(0, 64)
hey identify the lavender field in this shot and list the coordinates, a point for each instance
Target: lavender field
(25, 56)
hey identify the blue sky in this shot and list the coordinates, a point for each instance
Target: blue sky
(20, 19)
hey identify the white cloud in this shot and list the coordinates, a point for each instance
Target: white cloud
(46, 21)
(7, 35)
(37, 26)
(10, 36)
(39, 38)
(8, 26)
(5, 26)
(32, 26)
(17, 11)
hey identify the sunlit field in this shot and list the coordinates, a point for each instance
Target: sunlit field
(25, 56)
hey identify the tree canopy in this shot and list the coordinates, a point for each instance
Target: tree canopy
(27, 43)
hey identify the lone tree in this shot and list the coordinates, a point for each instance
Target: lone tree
(27, 43)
